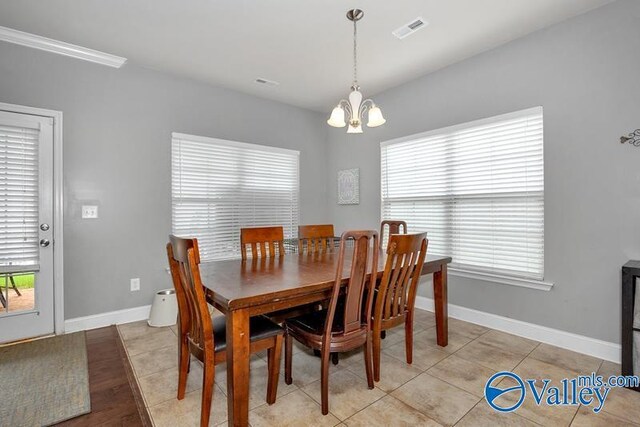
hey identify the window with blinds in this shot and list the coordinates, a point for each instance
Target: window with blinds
(219, 187)
(478, 191)
(18, 198)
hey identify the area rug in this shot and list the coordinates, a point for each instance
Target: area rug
(44, 381)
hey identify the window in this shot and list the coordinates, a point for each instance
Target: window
(218, 187)
(477, 189)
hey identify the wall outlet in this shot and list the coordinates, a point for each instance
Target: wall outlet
(89, 212)
(135, 284)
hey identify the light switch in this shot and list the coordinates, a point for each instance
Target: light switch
(89, 212)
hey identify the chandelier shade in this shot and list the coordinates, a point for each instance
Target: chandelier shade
(351, 111)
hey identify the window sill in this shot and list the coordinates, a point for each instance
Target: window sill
(504, 280)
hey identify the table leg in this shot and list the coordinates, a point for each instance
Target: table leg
(440, 299)
(238, 352)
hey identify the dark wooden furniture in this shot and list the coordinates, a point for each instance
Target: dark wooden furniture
(395, 227)
(263, 241)
(396, 294)
(630, 274)
(242, 290)
(343, 328)
(315, 238)
(206, 338)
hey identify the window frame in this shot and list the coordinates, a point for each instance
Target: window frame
(461, 271)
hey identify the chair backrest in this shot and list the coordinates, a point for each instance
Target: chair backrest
(364, 261)
(263, 241)
(193, 311)
(399, 283)
(315, 238)
(394, 228)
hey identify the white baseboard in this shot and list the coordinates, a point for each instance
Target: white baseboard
(579, 343)
(107, 319)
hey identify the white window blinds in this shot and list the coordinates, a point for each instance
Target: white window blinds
(219, 187)
(18, 197)
(477, 189)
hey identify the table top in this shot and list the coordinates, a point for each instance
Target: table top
(236, 283)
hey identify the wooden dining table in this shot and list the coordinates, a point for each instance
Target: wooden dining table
(241, 289)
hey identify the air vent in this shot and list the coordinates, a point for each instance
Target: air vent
(410, 28)
(266, 82)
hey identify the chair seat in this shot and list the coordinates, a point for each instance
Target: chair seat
(313, 323)
(260, 328)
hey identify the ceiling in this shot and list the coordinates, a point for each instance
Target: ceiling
(304, 45)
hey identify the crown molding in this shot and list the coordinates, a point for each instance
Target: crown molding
(55, 46)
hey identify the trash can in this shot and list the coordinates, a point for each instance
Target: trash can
(164, 310)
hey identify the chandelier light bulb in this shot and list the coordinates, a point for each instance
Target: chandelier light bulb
(337, 118)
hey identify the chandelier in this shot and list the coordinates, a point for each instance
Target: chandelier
(355, 107)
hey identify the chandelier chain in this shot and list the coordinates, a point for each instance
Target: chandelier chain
(355, 58)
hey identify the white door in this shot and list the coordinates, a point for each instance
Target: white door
(26, 226)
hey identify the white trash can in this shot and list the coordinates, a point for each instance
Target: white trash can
(164, 310)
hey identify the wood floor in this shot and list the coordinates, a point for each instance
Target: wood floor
(114, 402)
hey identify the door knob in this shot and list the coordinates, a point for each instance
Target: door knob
(44, 243)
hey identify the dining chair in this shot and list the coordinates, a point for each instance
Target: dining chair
(394, 228)
(204, 337)
(395, 296)
(345, 326)
(263, 241)
(315, 238)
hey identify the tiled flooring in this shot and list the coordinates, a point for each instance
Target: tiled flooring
(443, 386)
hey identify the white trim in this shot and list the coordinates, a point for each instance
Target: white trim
(55, 46)
(503, 280)
(570, 341)
(58, 207)
(107, 319)
(465, 126)
(228, 143)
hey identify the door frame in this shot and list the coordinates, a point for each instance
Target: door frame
(58, 207)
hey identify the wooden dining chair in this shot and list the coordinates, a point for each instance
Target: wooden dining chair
(204, 337)
(345, 326)
(396, 294)
(395, 227)
(315, 238)
(263, 241)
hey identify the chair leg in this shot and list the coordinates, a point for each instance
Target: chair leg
(335, 358)
(207, 392)
(377, 344)
(13, 285)
(383, 334)
(288, 353)
(273, 357)
(408, 337)
(367, 362)
(184, 362)
(324, 380)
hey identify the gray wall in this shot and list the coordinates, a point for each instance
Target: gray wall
(117, 131)
(585, 72)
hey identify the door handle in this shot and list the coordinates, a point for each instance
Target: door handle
(44, 243)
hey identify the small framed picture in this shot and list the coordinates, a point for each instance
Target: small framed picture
(349, 187)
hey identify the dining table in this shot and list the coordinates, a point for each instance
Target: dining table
(245, 288)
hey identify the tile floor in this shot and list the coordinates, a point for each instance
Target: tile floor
(443, 387)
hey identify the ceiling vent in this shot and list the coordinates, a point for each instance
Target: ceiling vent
(410, 28)
(266, 82)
